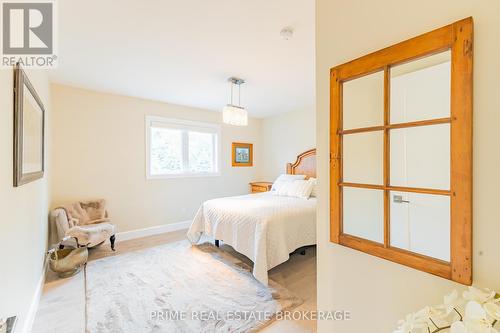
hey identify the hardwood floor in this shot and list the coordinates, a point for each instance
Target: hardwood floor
(62, 306)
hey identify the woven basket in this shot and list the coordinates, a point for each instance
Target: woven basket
(67, 262)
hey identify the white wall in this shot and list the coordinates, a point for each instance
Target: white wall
(23, 226)
(379, 292)
(99, 152)
(284, 136)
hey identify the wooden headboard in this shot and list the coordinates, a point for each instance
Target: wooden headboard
(304, 165)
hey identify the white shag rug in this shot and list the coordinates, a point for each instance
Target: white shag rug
(179, 288)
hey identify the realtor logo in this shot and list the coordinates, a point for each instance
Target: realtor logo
(28, 34)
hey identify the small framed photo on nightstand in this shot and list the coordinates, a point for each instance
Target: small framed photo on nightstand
(242, 155)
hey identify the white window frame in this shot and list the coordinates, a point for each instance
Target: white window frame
(185, 125)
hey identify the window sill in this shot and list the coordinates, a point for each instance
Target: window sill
(184, 175)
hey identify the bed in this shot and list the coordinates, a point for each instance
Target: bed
(264, 227)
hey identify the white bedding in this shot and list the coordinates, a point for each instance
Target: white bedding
(264, 227)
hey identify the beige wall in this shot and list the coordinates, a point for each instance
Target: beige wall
(23, 226)
(379, 292)
(284, 136)
(99, 151)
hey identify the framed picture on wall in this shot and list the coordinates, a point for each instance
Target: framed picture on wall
(29, 119)
(242, 154)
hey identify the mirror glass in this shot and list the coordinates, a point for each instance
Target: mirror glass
(363, 211)
(420, 223)
(363, 101)
(363, 158)
(420, 89)
(420, 157)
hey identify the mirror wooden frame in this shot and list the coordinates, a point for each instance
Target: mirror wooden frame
(21, 82)
(458, 38)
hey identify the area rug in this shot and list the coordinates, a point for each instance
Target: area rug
(179, 288)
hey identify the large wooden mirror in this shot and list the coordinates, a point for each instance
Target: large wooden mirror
(401, 152)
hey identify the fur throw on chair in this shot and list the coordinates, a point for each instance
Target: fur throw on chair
(86, 212)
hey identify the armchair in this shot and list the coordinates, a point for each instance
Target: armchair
(91, 234)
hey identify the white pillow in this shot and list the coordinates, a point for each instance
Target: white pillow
(297, 188)
(282, 179)
(315, 187)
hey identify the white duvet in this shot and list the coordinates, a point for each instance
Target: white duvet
(264, 227)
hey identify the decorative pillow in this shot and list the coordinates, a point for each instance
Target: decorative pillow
(283, 179)
(315, 187)
(298, 188)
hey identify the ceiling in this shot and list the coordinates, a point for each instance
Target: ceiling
(183, 51)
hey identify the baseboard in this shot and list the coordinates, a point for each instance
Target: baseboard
(30, 316)
(138, 233)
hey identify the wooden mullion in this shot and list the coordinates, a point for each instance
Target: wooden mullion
(387, 158)
(362, 130)
(428, 122)
(360, 185)
(419, 190)
(397, 188)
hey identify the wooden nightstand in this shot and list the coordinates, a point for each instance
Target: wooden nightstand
(257, 187)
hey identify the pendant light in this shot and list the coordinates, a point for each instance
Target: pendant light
(235, 114)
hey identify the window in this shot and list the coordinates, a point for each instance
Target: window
(180, 148)
(401, 153)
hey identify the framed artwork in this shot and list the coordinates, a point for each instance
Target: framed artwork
(242, 154)
(29, 119)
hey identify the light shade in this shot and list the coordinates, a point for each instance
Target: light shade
(234, 115)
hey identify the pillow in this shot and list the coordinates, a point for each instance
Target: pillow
(300, 188)
(315, 187)
(282, 179)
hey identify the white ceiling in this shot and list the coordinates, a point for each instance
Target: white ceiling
(183, 51)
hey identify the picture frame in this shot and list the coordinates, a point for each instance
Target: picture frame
(29, 131)
(242, 154)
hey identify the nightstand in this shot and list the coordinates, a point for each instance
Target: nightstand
(257, 187)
